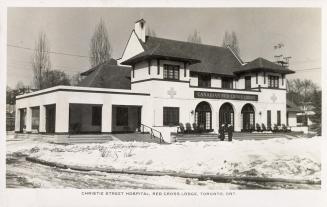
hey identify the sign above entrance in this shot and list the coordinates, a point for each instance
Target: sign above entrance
(220, 95)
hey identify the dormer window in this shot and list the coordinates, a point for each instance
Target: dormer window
(171, 72)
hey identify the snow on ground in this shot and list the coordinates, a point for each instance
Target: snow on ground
(278, 158)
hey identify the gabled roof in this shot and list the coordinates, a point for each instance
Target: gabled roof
(203, 58)
(108, 75)
(261, 64)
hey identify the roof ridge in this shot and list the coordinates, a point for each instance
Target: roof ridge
(194, 43)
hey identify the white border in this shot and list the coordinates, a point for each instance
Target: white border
(41, 197)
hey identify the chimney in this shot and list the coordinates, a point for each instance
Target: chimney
(140, 29)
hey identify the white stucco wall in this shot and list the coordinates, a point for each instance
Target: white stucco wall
(133, 47)
(292, 121)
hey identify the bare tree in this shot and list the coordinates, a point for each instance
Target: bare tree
(230, 39)
(100, 48)
(41, 61)
(195, 37)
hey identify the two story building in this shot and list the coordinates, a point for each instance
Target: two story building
(160, 83)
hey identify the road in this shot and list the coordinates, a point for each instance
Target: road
(24, 174)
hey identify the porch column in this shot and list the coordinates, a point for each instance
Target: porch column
(62, 116)
(42, 119)
(106, 117)
(17, 120)
(28, 119)
(237, 121)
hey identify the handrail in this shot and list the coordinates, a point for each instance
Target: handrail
(160, 137)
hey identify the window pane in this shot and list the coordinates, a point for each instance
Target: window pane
(170, 116)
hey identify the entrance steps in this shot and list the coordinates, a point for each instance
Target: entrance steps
(137, 137)
(88, 138)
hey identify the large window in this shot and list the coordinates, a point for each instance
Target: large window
(96, 115)
(171, 72)
(273, 81)
(204, 80)
(122, 116)
(278, 118)
(170, 116)
(227, 83)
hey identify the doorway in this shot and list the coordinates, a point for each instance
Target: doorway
(226, 114)
(203, 116)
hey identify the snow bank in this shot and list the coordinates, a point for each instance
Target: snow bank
(277, 158)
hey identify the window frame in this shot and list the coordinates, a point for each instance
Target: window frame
(225, 80)
(247, 78)
(273, 81)
(169, 69)
(170, 116)
(204, 80)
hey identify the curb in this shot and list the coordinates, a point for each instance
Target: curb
(216, 178)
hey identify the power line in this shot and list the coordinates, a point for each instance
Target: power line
(308, 69)
(53, 52)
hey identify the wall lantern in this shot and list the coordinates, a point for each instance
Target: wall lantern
(260, 113)
(192, 112)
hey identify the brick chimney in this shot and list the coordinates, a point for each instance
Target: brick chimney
(140, 28)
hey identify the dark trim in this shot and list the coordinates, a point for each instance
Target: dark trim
(256, 78)
(133, 70)
(269, 88)
(184, 69)
(158, 66)
(149, 67)
(80, 90)
(143, 57)
(283, 77)
(273, 70)
(264, 77)
(158, 79)
(231, 89)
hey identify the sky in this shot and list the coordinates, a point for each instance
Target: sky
(69, 31)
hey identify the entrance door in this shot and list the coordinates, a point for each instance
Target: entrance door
(203, 116)
(248, 117)
(226, 114)
(50, 120)
(22, 124)
(269, 119)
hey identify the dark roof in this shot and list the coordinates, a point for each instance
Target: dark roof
(260, 64)
(111, 62)
(108, 75)
(204, 58)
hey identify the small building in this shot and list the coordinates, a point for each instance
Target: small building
(160, 83)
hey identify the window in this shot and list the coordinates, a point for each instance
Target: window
(227, 83)
(278, 118)
(96, 115)
(204, 80)
(247, 82)
(170, 116)
(273, 81)
(171, 72)
(269, 119)
(122, 116)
